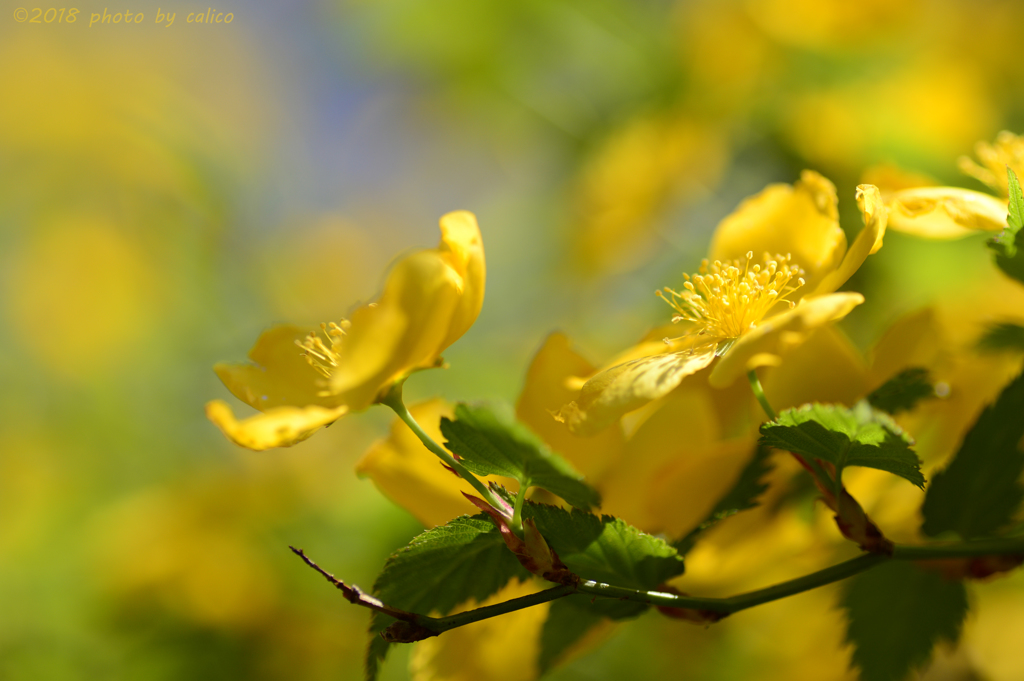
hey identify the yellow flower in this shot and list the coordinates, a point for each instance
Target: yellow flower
(429, 300)
(953, 212)
(732, 308)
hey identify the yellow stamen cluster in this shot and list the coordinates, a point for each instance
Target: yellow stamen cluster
(324, 356)
(1008, 150)
(727, 299)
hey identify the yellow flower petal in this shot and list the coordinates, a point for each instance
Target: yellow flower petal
(867, 242)
(916, 339)
(623, 388)
(767, 343)
(278, 375)
(683, 493)
(276, 427)
(545, 392)
(412, 476)
(682, 423)
(800, 378)
(401, 332)
(463, 249)
(945, 212)
(801, 220)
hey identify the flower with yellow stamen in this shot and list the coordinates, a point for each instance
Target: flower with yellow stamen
(746, 313)
(725, 302)
(429, 300)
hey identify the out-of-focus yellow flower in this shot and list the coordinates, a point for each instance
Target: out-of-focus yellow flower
(639, 171)
(826, 26)
(430, 299)
(88, 272)
(1008, 150)
(731, 307)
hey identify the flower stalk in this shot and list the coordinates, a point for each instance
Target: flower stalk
(393, 399)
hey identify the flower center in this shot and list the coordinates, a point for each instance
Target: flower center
(727, 299)
(324, 356)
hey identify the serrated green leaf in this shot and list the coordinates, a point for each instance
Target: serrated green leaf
(999, 337)
(896, 613)
(439, 569)
(742, 496)
(980, 490)
(491, 442)
(902, 391)
(606, 549)
(1008, 245)
(860, 436)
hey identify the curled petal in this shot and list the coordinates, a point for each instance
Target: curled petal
(801, 220)
(401, 332)
(766, 344)
(621, 389)
(867, 242)
(275, 427)
(945, 212)
(463, 249)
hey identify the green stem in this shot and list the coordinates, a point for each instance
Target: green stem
(755, 386)
(394, 400)
(725, 606)
(443, 624)
(991, 547)
(733, 604)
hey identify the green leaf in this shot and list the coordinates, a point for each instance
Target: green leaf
(1008, 245)
(896, 613)
(1004, 336)
(860, 436)
(438, 570)
(606, 549)
(979, 492)
(741, 497)
(902, 391)
(491, 442)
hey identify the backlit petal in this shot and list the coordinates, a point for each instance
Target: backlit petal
(401, 332)
(621, 389)
(275, 427)
(277, 376)
(463, 249)
(801, 220)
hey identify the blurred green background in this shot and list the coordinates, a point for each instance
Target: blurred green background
(167, 192)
